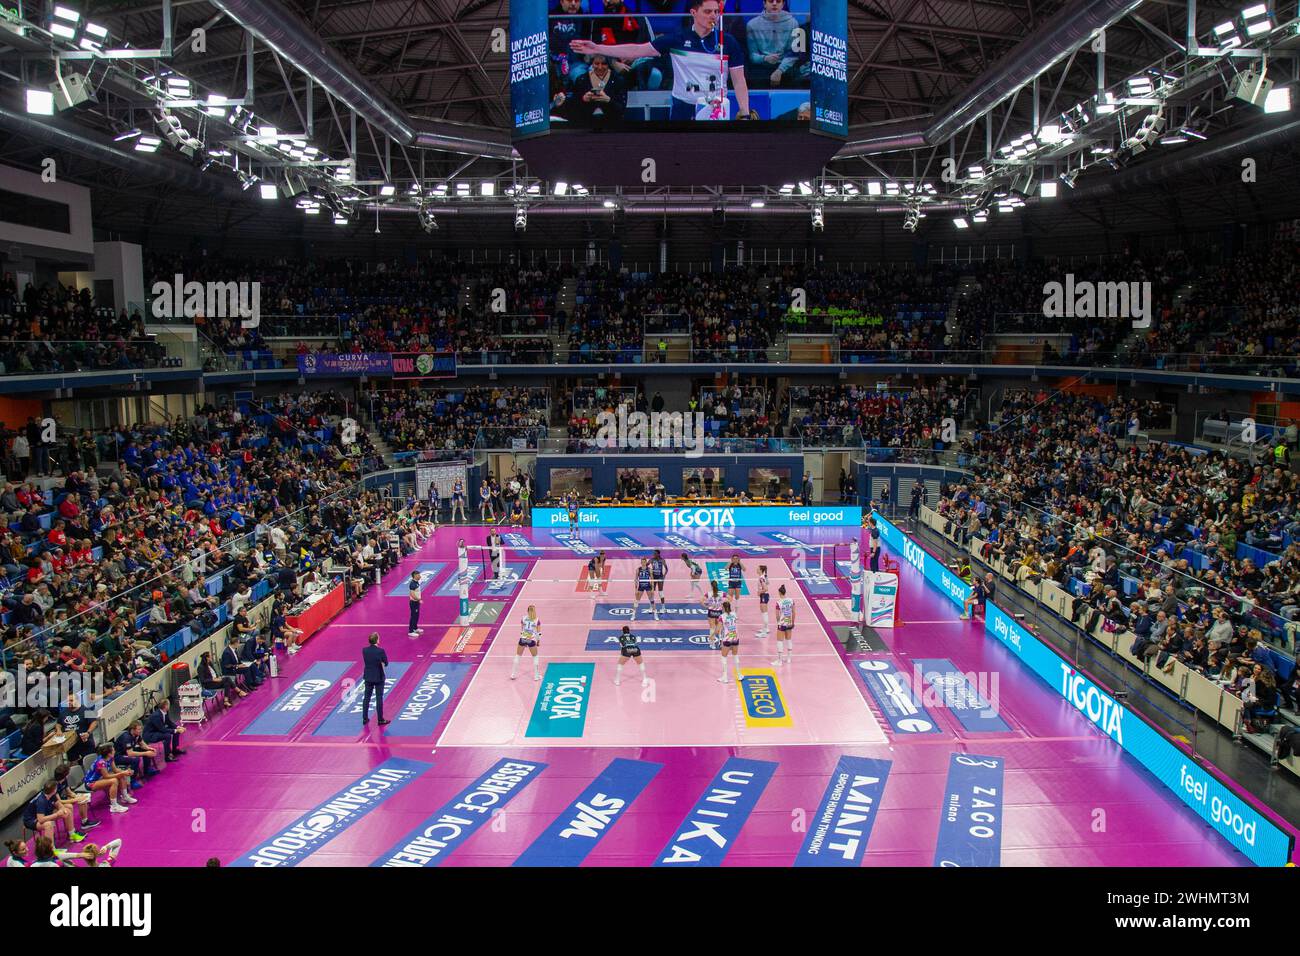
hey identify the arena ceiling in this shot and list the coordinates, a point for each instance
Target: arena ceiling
(413, 91)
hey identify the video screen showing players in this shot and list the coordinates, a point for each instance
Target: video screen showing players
(617, 64)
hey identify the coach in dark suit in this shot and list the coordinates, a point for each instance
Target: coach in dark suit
(375, 659)
(159, 727)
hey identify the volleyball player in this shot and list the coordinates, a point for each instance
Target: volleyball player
(573, 513)
(593, 577)
(696, 572)
(713, 602)
(530, 636)
(763, 599)
(658, 574)
(735, 578)
(730, 646)
(628, 648)
(457, 499)
(644, 586)
(784, 626)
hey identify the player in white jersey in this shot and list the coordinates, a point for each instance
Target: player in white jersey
(696, 571)
(530, 637)
(784, 626)
(713, 602)
(763, 598)
(730, 646)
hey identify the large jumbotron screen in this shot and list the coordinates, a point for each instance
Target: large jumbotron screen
(655, 65)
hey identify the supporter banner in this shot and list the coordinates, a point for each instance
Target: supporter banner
(892, 692)
(838, 834)
(351, 363)
(429, 570)
(562, 701)
(967, 703)
(760, 693)
(1258, 838)
(708, 831)
(424, 364)
(342, 720)
(672, 611)
(289, 709)
(321, 824)
(651, 639)
(934, 570)
(576, 831)
(970, 820)
(444, 832)
(706, 519)
(420, 714)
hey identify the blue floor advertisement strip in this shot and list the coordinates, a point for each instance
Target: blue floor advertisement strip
(291, 707)
(519, 545)
(345, 719)
(970, 821)
(429, 571)
(731, 540)
(668, 611)
(327, 820)
(450, 588)
(447, 830)
(562, 701)
(582, 825)
(714, 823)
(684, 544)
(499, 587)
(636, 548)
(575, 544)
(892, 692)
(420, 713)
(652, 639)
(971, 698)
(838, 834)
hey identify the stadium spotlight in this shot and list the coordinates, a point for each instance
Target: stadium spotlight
(961, 223)
(1278, 100)
(387, 189)
(1047, 189)
(1251, 86)
(521, 217)
(818, 217)
(40, 102)
(269, 191)
(1257, 20)
(561, 188)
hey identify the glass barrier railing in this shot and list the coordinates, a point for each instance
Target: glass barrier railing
(46, 357)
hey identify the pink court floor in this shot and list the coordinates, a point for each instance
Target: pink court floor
(807, 762)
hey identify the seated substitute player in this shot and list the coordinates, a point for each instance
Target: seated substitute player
(696, 571)
(730, 646)
(658, 574)
(644, 586)
(695, 60)
(784, 626)
(530, 636)
(629, 648)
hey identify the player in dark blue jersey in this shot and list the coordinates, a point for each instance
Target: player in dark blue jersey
(644, 588)
(700, 69)
(629, 648)
(735, 579)
(658, 574)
